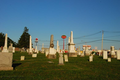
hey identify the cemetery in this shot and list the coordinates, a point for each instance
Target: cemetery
(51, 63)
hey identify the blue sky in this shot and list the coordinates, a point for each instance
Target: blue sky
(58, 17)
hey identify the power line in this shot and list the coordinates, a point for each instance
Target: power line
(112, 40)
(88, 35)
(89, 41)
(112, 31)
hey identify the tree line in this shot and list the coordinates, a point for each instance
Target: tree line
(22, 42)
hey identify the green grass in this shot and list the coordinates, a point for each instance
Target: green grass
(78, 68)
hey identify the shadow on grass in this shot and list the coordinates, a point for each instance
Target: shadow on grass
(14, 65)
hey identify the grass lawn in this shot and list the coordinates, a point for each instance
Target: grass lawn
(78, 68)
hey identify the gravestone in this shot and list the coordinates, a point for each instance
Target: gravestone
(112, 51)
(34, 55)
(109, 59)
(87, 52)
(5, 44)
(66, 58)
(23, 49)
(61, 59)
(30, 46)
(82, 54)
(91, 58)
(46, 52)
(22, 58)
(6, 61)
(78, 51)
(118, 54)
(13, 49)
(71, 47)
(10, 49)
(52, 51)
(105, 56)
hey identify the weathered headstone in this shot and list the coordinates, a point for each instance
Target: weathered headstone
(34, 55)
(5, 45)
(66, 58)
(112, 51)
(82, 54)
(105, 56)
(10, 49)
(109, 59)
(46, 52)
(118, 54)
(87, 52)
(61, 59)
(6, 61)
(13, 49)
(91, 58)
(23, 49)
(71, 47)
(22, 58)
(52, 51)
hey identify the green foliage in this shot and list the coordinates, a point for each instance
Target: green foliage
(2, 40)
(24, 39)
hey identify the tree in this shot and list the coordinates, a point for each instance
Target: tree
(24, 39)
(2, 39)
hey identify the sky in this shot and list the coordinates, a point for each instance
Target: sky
(86, 18)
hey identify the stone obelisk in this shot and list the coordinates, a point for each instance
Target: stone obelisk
(52, 51)
(71, 47)
(30, 46)
(58, 48)
(5, 45)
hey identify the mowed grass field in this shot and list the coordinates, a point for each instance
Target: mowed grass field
(78, 68)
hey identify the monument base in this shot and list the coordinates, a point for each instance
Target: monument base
(6, 68)
(51, 56)
(72, 54)
(6, 61)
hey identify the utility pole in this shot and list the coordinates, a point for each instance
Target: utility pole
(102, 40)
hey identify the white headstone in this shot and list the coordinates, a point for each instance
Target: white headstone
(61, 59)
(91, 58)
(34, 55)
(66, 58)
(46, 53)
(13, 49)
(105, 56)
(5, 45)
(22, 58)
(118, 54)
(112, 51)
(30, 46)
(109, 59)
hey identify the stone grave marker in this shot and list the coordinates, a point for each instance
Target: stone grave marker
(34, 55)
(66, 58)
(91, 58)
(22, 58)
(118, 54)
(61, 59)
(109, 59)
(52, 51)
(105, 55)
(6, 61)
